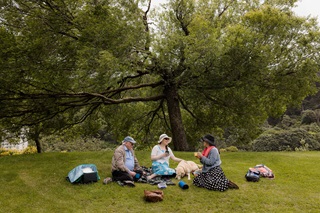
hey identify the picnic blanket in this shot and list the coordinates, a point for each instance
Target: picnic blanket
(156, 180)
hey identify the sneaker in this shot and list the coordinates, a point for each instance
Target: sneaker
(107, 180)
(129, 183)
(120, 183)
(142, 180)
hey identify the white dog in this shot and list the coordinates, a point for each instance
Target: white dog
(185, 168)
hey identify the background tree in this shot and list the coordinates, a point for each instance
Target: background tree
(212, 64)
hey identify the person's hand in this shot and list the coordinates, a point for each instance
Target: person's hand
(164, 155)
(132, 173)
(198, 155)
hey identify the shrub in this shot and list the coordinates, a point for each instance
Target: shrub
(56, 143)
(6, 152)
(289, 140)
(287, 122)
(304, 146)
(30, 150)
(232, 149)
(308, 117)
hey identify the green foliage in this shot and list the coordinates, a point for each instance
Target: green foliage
(304, 146)
(287, 122)
(60, 143)
(28, 150)
(224, 66)
(308, 117)
(231, 149)
(37, 182)
(287, 140)
(6, 152)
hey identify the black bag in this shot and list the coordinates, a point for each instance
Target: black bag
(252, 176)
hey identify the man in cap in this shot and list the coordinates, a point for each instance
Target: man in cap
(125, 166)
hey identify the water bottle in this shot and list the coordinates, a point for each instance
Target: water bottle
(183, 185)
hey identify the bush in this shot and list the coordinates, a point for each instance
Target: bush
(30, 150)
(56, 143)
(232, 149)
(8, 152)
(287, 122)
(308, 117)
(289, 140)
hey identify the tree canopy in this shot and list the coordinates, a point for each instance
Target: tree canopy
(191, 67)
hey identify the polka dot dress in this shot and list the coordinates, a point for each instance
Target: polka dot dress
(214, 179)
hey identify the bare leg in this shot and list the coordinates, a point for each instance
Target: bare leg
(151, 176)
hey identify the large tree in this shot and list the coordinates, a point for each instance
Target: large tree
(200, 64)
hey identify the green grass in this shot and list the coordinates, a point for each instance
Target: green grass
(36, 183)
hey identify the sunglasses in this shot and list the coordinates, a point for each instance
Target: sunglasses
(166, 138)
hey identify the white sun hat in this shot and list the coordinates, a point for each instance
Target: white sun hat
(163, 136)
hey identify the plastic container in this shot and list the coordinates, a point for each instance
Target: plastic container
(162, 185)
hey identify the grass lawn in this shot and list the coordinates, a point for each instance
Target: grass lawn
(36, 183)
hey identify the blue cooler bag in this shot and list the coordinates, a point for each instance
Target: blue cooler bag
(84, 173)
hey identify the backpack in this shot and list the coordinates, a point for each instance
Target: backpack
(258, 171)
(264, 171)
(252, 175)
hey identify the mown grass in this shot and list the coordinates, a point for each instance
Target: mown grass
(36, 183)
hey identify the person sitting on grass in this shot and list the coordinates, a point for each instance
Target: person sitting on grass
(160, 156)
(125, 166)
(212, 176)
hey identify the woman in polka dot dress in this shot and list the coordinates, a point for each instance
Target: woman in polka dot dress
(212, 176)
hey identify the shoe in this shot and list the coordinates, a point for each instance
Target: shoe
(107, 180)
(120, 183)
(142, 180)
(150, 181)
(232, 185)
(169, 182)
(129, 183)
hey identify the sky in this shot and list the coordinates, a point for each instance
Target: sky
(308, 7)
(304, 7)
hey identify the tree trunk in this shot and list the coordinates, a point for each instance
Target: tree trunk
(179, 138)
(38, 144)
(36, 138)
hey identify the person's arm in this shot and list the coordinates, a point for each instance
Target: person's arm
(136, 163)
(155, 155)
(174, 157)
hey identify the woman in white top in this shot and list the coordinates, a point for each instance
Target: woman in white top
(160, 156)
